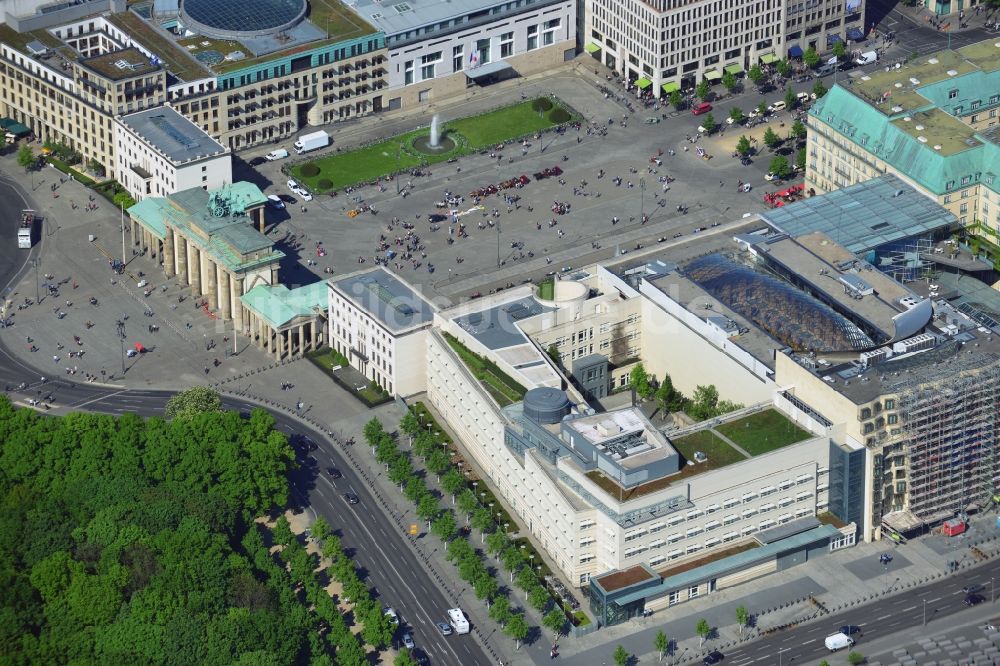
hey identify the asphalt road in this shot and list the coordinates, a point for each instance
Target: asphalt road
(804, 644)
(377, 544)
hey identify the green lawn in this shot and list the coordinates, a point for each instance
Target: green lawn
(501, 386)
(396, 154)
(501, 125)
(718, 451)
(327, 358)
(763, 432)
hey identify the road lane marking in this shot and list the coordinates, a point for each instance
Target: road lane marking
(909, 609)
(930, 601)
(97, 399)
(884, 617)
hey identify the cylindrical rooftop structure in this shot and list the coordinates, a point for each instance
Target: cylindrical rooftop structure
(546, 404)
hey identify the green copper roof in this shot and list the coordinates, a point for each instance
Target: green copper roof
(215, 221)
(278, 305)
(898, 142)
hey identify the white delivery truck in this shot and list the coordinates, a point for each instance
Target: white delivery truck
(867, 58)
(278, 154)
(311, 141)
(456, 618)
(838, 641)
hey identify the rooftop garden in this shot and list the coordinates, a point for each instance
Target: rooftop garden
(763, 432)
(337, 21)
(497, 383)
(828, 518)
(708, 559)
(179, 64)
(719, 452)
(397, 154)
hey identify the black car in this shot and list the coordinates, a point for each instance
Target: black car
(436, 217)
(974, 599)
(850, 629)
(969, 589)
(351, 498)
(713, 657)
(420, 657)
(287, 198)
(257, 161)
(333, 472)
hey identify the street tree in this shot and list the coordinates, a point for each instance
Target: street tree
(703, 90)
(512, 558)
(729, 81)
(810, 57)
(555, 354)
(427, 507)
(676, 99)
(639, 380)
(517, 628)
(779, 167)
(410, 425)
(709, 123)
(819, 89)
(839, 50)
(771, 138)
(800, 159)
(400, 469)
(378, 627)
(526, 579)
(404, 658)
(25, 157)
(415, 489)
(373, 431)
(496, 542)
(798, 129)
(467, 503)
(538, 597)
(482, 519)
(855, 658)
(438, 461)
(485, 586)
(762, 109)
(736, 113)
(444, 526)
(320, 529)
(784, 67)
(621, 656)
(661, 643)
(193, 401)
(704, 402)
(742, 618)
(756, 74)
(453, 482)
(500, 610)
(703, 629)
(554, 621)
(790, 99)
(743, 146)
(824, 663)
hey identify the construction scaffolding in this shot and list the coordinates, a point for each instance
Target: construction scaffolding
(948, 411)
(905, 261)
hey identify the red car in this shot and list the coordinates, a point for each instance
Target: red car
(699, 109)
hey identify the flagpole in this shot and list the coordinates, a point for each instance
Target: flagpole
(122, 206)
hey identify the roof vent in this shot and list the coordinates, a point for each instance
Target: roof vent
(897, 109)
(922, 139)
(898, 84)
(933, 61)
(919, 128)
(996, 44)
(915, 81)
(937, 146)
(866, 78)
(952, 72)
(907, 118)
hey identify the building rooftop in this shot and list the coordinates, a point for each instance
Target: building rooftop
(279, 305)
(388, 299)
(903, 84)
(406, 15)
(172, 135)
(984, 54)
(865, 216)
(617, 580)
(623, 436)
(940, 131)
(174, 59)
(215, 221)
(495, 327)
(118, 65)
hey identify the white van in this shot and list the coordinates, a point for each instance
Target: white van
(278, 154)
(867, 58)
(456, 618)
(777, 106)
(838, 641)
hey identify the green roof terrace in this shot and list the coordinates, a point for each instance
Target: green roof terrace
(985, 54)
(899, 88)
(174, 58)
(117, 65)
(939, 131)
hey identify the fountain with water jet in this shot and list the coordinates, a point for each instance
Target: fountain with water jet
(436, 142)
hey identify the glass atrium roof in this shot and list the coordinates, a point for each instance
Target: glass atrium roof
(791, 316)
(243, 16)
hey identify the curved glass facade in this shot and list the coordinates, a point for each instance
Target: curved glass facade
(232, 18)
(791, 316)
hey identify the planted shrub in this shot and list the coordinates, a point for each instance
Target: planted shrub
(559, 115)
(309, 170)
(542, 104)
(324, 184)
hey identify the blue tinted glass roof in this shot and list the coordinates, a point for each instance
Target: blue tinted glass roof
(243, 15)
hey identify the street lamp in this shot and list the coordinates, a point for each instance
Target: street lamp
(779, 654)
(34, 262)
(642, 199)
(925, 613)
(498, 243)
(120, 325)
(993, 598)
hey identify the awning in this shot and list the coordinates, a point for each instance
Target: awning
(592, 47)
(11, 126)
(734, 69)
(643, 83)
(770, 58)
(488, 69)
(713, 75)
(794, 51)
(855, 34)
(833, 39)
(671, 86)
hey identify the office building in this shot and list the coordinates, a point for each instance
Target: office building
(379, 322)
(160, 152)
(932, 122)
(666, 46)
(438, 48)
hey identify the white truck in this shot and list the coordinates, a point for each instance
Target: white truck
(311, 141)
(26, 230)
(838, 641)
(278, 154)
(867, 58)
(456, 618)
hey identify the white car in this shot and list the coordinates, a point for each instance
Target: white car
(408, 642)
(730, 120)
(304, 193)
(293, 186)
(753, 114)
(777, 106)
(391, 614)
(802, 97)
(275, 201)
(770, 176)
